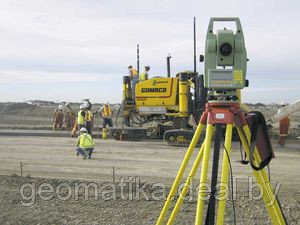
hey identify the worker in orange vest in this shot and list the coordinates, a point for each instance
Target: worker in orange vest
(70, 118)
(58, 117)
(106, 113)
(284, 125)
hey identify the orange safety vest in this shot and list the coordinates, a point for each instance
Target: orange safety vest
(106, 111)
(134, 72)
(58, 116)
(284, 125)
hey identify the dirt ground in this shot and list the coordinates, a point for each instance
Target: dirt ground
(39, 117)
(53, 161)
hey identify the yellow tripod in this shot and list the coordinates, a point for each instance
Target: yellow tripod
(216, 115)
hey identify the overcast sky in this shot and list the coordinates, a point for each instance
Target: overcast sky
(68, 50)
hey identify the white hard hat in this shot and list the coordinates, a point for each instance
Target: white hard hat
(129, 65)
(82, 130)
(283, 103)
(147, 66)
(86, 104)
(106, 103)
(82, 106)
(60, 107)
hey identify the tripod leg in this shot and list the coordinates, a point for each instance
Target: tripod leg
(211, 211)
(269, 197)
(180, 173)
(224, 178)
(203, 179)
(186, 186)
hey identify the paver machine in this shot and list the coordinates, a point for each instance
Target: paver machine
(167, 107)
(163, 107)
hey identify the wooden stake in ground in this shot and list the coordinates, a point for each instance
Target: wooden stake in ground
(21, 168)
(114, 173)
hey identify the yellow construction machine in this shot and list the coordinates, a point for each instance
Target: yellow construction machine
(162, 107)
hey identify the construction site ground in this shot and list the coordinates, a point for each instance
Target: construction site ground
(53, 161)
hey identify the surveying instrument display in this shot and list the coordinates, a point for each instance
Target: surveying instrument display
(225, 61)
(224, 76)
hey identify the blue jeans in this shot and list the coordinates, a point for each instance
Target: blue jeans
(134, 81)
(107, 121)
(85, 151)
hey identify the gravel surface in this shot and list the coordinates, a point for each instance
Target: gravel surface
(53, 161)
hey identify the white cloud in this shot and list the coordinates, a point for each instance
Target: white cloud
(42, 41)
(15, 76)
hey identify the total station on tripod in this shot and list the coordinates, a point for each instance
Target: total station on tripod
(225, 62)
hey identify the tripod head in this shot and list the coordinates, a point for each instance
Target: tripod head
(225, 61)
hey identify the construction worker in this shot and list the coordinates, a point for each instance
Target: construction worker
(70, 117)
(106, 113)
(134, 77)
(85, 144)
(58, 117)
(132, 72)
(284, 125)
(81, 116)
(145, 75)
(89, 119)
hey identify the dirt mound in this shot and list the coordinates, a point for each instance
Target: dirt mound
(16, 108)
(28, 115)
(25, 109)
